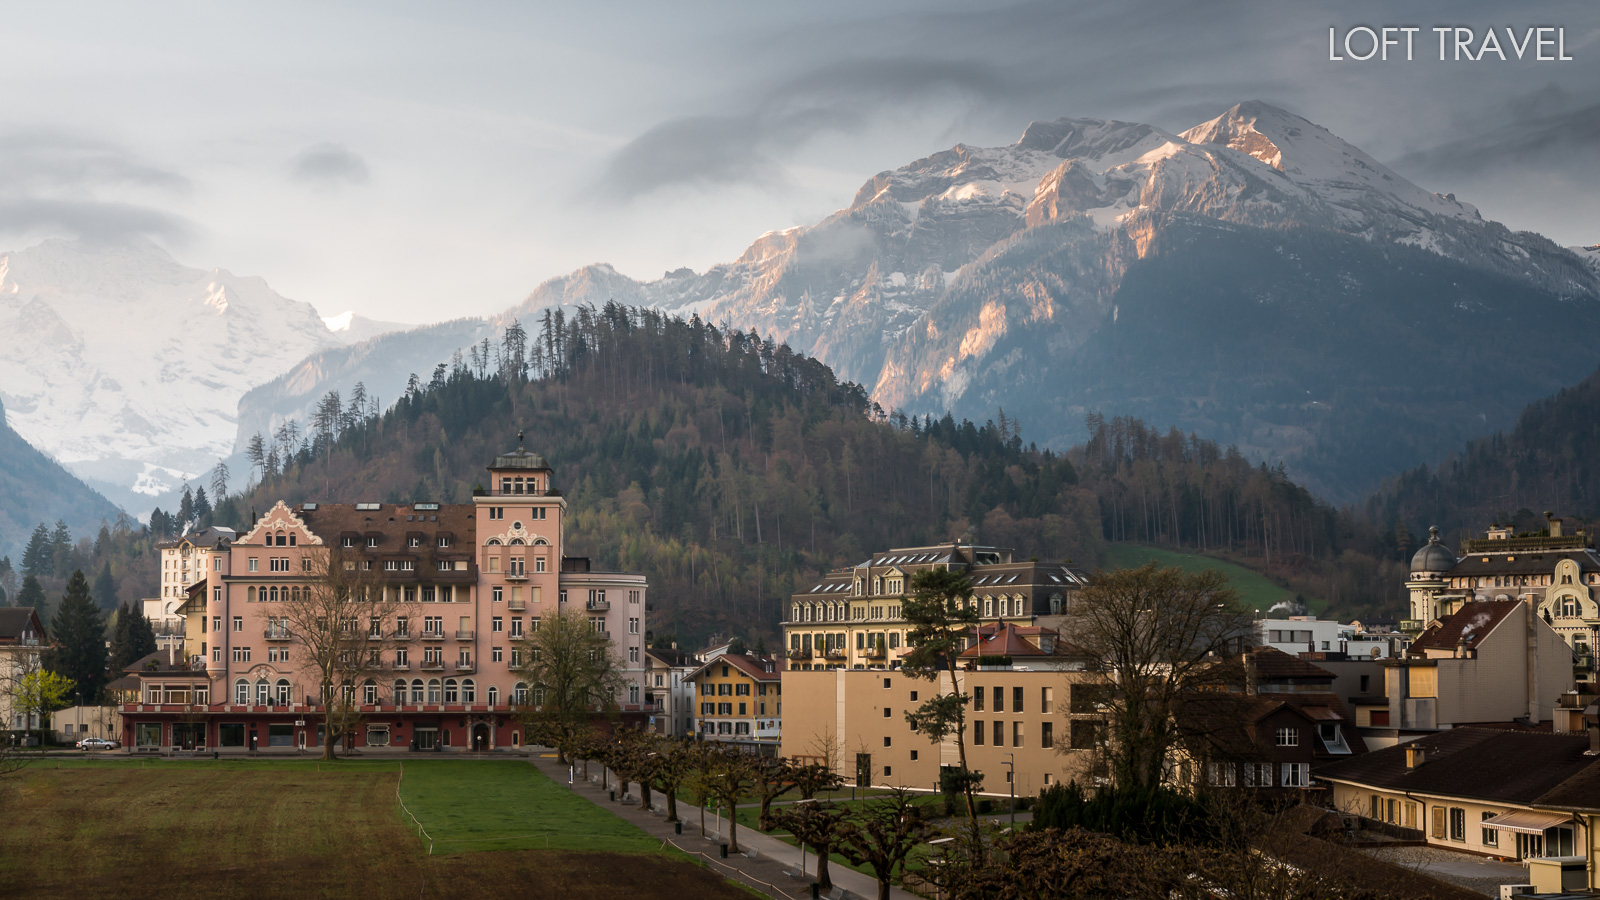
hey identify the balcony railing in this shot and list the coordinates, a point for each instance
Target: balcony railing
(874, 653)
(516, 576)
(431, 635)
(401, 666)
(279, 634)
(464, 634)
(800, 654)
(465, 668)
(837, 653)
(597, 605)
(517, 604)
(433, 665)
(1575, 701)
(1412, 625)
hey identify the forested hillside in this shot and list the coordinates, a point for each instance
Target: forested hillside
(1546, 462)
(730, 469)
(34, 489)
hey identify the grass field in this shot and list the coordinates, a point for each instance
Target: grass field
(270, 829)
(1255, 590)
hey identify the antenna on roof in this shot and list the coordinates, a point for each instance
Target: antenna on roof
(519, 439)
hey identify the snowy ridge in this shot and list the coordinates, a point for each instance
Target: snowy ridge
(127, 366)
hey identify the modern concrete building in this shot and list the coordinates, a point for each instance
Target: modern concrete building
(1026, 728)
(469, 583)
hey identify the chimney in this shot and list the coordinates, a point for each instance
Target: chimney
(1415, 756)
(1555, 524)
(1249, 672)
(674, 645)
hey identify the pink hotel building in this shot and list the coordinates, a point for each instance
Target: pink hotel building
(473, 581)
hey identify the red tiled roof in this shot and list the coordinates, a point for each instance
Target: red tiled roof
(754, 666)
(1005, 640)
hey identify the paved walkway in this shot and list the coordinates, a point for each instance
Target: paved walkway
(770, 870)
(1475, 873)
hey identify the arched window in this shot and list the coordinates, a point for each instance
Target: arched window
(494, 542)
(518, 542)
(283, 691)
(469, 691)
(450, 693)
(261, 692)
(1569, 607)
(494, 696)
(241, 692)
(1055, 604)
(519, 694)
(250, 595)
(416, 692)
(400, 692)
(433, 690)
(272, 595)
(540, 542)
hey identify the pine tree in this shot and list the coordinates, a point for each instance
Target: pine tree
(219, 481)
(202, 507)
(79, 650)
(36, 559)
(186, 509)
(61, 548)
(102, 540)
(32, 594)
(105, 588)
(141, 634)
(122, 655)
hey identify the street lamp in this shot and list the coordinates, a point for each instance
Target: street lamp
(1011, 783)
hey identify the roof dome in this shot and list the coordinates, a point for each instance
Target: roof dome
(519, 459)
(1433, 557)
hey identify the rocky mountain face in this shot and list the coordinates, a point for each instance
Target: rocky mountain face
(1254, 278)
(127, 367)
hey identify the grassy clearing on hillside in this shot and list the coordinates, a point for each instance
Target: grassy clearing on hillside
(1255, 590)
(279, 829)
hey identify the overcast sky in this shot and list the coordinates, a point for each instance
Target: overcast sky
(415, 162)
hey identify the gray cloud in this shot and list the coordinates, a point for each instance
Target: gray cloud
(89, 219)
(1549, 125)
(750, 147)
(54, 183)
(41, 161)
(329, 165)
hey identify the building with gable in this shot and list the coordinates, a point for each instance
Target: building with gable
(740, 697)
(470, 583)
(850, 619)
(1556, 573)
(22, 640)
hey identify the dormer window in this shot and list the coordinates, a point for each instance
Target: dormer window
(372, 540)
(414, 541)
(347, 542)
(444, 541)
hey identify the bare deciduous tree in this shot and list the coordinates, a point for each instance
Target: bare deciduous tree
(1157, 635)
(339, 621)
(575, 676)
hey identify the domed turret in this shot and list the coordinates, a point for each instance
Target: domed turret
(1433, 557)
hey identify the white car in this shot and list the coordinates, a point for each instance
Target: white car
(94, 743)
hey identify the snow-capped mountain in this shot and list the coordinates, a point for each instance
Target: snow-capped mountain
(980, 277)
(127, 366)
(1590, 255)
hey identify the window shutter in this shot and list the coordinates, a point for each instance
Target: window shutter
(1438, 822)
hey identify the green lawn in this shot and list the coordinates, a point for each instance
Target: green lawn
(1255, 590)
(494, 805)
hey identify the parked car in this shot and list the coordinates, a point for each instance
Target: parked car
(94, 743)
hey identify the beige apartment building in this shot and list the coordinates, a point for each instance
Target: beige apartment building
(850, 619)
(22, 639)
(1026, 729)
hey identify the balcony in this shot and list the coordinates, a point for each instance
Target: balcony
(430, 635)
(401, 666)
(517, 604)
(278, 634)
(1412, 626)
(464, 634)
(838, 653)
(516, 576)
(1575, 701)
(433, 665)
(877, 652)
(800, 654)
(464, 668)
(597, 605)
(398, 635)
